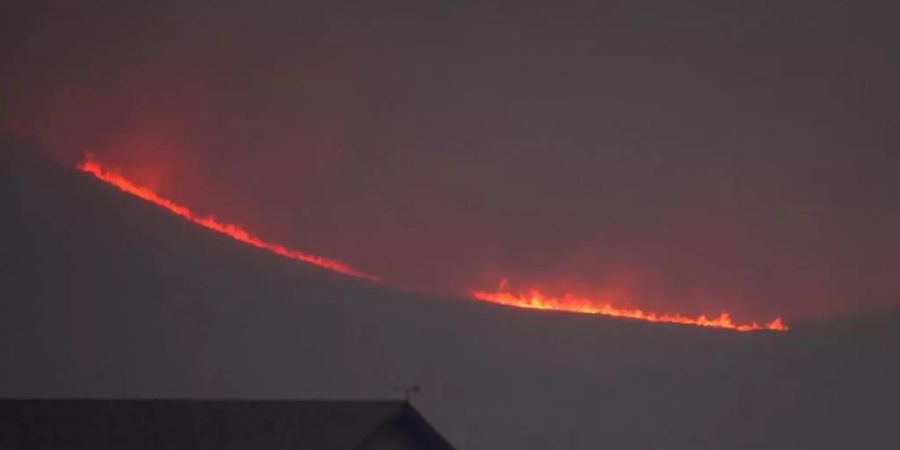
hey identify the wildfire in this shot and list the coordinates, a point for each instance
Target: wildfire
(233, 231)
(534, 299)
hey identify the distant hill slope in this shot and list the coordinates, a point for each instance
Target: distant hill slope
(104, 295)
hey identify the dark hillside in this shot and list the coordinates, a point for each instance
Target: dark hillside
(106, 296)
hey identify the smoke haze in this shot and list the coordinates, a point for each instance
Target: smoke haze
(718, 155)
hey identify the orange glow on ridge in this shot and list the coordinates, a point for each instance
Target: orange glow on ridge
(534, 299)
(233, 231)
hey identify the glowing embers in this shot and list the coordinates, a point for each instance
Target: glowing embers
(534, 299)
(233, 231)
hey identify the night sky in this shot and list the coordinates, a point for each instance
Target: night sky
(697, 156)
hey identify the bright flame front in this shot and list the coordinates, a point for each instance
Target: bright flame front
(534, 299)
(235, 232)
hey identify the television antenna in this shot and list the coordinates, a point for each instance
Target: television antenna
(408, 390)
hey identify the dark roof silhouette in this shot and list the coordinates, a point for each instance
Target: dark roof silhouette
(212, 424)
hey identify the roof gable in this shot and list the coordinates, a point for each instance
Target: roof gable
(407, 429)
(191, 424)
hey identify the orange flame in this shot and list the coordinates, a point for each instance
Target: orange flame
(235, 232)
(534, 299)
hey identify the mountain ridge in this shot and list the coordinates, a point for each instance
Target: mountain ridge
(108, 296)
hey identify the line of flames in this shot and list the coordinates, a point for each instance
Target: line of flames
(234, 231)
(534, 299)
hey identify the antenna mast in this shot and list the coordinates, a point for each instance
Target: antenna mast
(408, 390)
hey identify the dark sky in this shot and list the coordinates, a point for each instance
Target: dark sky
(695, 155)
